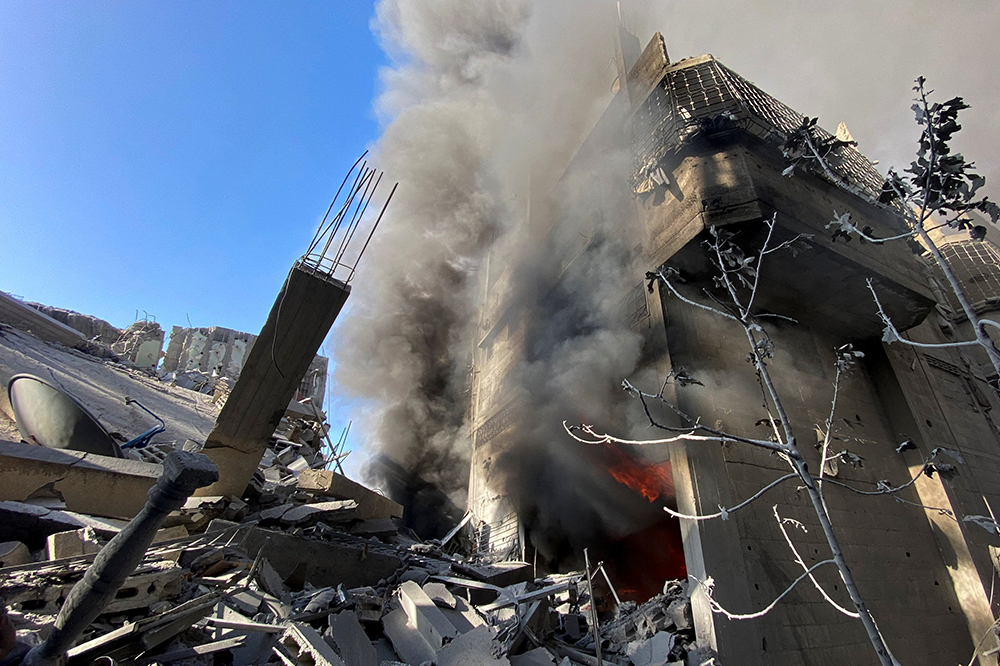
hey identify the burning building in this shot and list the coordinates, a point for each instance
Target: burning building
(682, 147)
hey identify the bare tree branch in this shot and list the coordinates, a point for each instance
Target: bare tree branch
(725, 513)
(709, 585)
(801, 562)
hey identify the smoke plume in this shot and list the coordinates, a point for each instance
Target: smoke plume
(484, 106)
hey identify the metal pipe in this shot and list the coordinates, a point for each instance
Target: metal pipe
(593, 611)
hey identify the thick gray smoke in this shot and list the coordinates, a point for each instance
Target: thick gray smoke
(484, 106)
(486, 102)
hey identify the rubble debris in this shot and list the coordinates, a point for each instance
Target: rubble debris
(327, 483)
(75, 542)
(13, 553)
(95, 485)
(304, 566)
(19, 315)
(182, 473)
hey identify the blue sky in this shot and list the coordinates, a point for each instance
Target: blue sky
(174, 157)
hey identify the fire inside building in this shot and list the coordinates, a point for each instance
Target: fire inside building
(683, 147)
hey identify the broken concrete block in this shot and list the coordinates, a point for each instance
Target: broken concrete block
(679, 612)
(31, 524)
(440, 595)
(384, 652)
(418, 576)
(71, 544)
(170, 533)
(298, 465)
(352, 642)
(307, 647)
(375, 527)
(406, 640)
(324, 564)
(277, 512)
(271, 581)
(95, 485)
(367, 604)
(13, 553)
(331, 484)
(425, 616)
(464, 617)
(537, 657)
(332, 513)
(475, 648)
(654, 651)
(247, 602)
(219, 525)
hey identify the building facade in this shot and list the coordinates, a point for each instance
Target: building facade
(702, 149)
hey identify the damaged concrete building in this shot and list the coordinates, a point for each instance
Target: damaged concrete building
(221, 352)
(701, 148)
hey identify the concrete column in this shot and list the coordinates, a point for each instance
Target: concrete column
(300, 318)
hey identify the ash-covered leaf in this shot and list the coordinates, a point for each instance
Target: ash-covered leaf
(789, 171)
(906, 446)
(883, 485)
(724, 512)
(682, 377)
(985, 522)
(951, 453)
(943, 469)
(852, 459)
(889, 335)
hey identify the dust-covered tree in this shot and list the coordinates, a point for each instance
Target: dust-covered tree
(938, 183)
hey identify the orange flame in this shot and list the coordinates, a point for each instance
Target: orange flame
(650, 481)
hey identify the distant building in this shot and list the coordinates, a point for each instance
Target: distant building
(221, 352)
(703, 145)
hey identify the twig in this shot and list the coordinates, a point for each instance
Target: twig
(709, 585)
(798, 559)
(724, 513)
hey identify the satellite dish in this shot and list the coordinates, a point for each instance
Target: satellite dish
(49, 416)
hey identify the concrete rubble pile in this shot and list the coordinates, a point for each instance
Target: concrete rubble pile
(309, 567)
(304, 566)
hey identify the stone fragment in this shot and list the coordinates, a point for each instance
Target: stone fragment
(13, 553)
(537, 657)
(408, 643)
(352, 643)
(331, 484)
(654, 651)
(306, 646)
(425, 616)
(71, 544)
(475, 648)
(440, 595)
(331, 513)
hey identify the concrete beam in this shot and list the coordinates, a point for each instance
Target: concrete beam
(330, 484)
(87, 483)
(25, 318)
(323, 564)
(300, 318)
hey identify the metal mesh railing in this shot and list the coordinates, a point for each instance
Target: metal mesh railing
(976, 264)
(706, 96)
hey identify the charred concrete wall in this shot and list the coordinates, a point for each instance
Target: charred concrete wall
(924, 574)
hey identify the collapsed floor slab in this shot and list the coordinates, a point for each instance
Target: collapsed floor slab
(87, 483)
